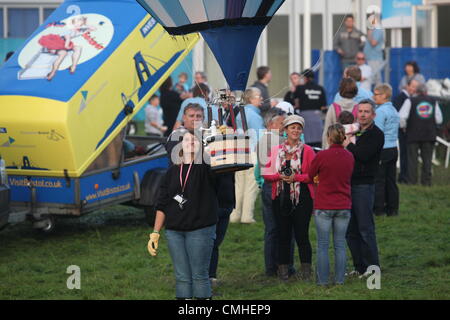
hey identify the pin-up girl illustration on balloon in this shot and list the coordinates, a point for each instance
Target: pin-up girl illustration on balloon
(65, 44)
(61, 44)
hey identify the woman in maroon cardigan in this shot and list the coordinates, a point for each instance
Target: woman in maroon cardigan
(332, 204)
(292, 195)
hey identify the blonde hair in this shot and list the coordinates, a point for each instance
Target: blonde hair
(384, 88)
(249, 93)
(336, 133)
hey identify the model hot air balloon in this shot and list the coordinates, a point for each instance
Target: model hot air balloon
(230, 27)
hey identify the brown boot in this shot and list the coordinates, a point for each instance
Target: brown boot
(305, 272)
(283, 272)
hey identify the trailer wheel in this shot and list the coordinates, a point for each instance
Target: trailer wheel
(46, 225)
(150, 215)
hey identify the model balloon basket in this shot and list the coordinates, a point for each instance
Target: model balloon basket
(228, 149)
(239, 23)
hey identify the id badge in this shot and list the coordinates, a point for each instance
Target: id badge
(181, 200)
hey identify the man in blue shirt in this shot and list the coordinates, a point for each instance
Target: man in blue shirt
(355, 73)
(373, 49)
(388, 120)
(200, 94)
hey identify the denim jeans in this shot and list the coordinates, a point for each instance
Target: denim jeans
(191, 254)
(271, 234)
(337, 222)
(221, 230)
(361, 238)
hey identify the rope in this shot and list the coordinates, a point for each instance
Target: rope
(314, 68)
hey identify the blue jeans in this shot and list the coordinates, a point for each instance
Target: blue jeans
(327, 221)
(221, 230)
(191, 254)
(271, 234)
(361, 238)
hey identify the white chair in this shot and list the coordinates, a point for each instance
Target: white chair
(447, 145)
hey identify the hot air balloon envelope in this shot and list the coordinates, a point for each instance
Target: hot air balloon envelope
(230, 27)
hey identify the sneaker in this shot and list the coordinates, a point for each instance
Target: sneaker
(365, 275)
(248, 222)
(353, 273)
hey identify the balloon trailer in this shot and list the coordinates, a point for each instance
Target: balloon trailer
(66, 98)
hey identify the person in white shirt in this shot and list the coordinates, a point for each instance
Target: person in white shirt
(154, 124)
(366, 71)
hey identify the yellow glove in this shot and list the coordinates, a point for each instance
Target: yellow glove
(153, 243)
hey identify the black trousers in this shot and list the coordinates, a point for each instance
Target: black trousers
(403, 175)
(297, 220)
(386, 190)
(426, 153)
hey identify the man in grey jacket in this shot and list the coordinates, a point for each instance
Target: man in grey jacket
(348, 42)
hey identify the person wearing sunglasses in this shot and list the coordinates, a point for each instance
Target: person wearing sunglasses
(366, 71)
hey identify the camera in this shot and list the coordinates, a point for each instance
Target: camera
(286, 171)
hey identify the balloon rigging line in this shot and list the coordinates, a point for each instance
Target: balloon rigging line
(314, 68)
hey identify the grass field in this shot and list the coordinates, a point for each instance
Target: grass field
(109, 246)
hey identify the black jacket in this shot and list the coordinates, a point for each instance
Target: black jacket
(264, 94)
(225, 190)
(201, 208)
(399, 100)
(170, 104)
(366, 152)
(224, 181)
(421, 125)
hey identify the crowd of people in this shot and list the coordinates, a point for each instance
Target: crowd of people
(334, 163)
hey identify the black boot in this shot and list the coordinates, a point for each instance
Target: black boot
(283, 272)
(305, 272)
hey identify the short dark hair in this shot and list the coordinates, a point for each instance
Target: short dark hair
(154, 96)
(368, 101)
(166, 85)
(202, 74)
(349, 16)
(348, 88)
(308, 73)
(194, 106)
(346, 117)
(200, 90)
(414, 65)
(261, 72)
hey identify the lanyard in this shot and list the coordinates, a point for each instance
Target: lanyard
(187, 176)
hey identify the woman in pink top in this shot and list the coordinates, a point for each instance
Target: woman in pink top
(332, 203)
(292, 195)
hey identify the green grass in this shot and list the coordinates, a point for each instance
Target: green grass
(110, 248)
